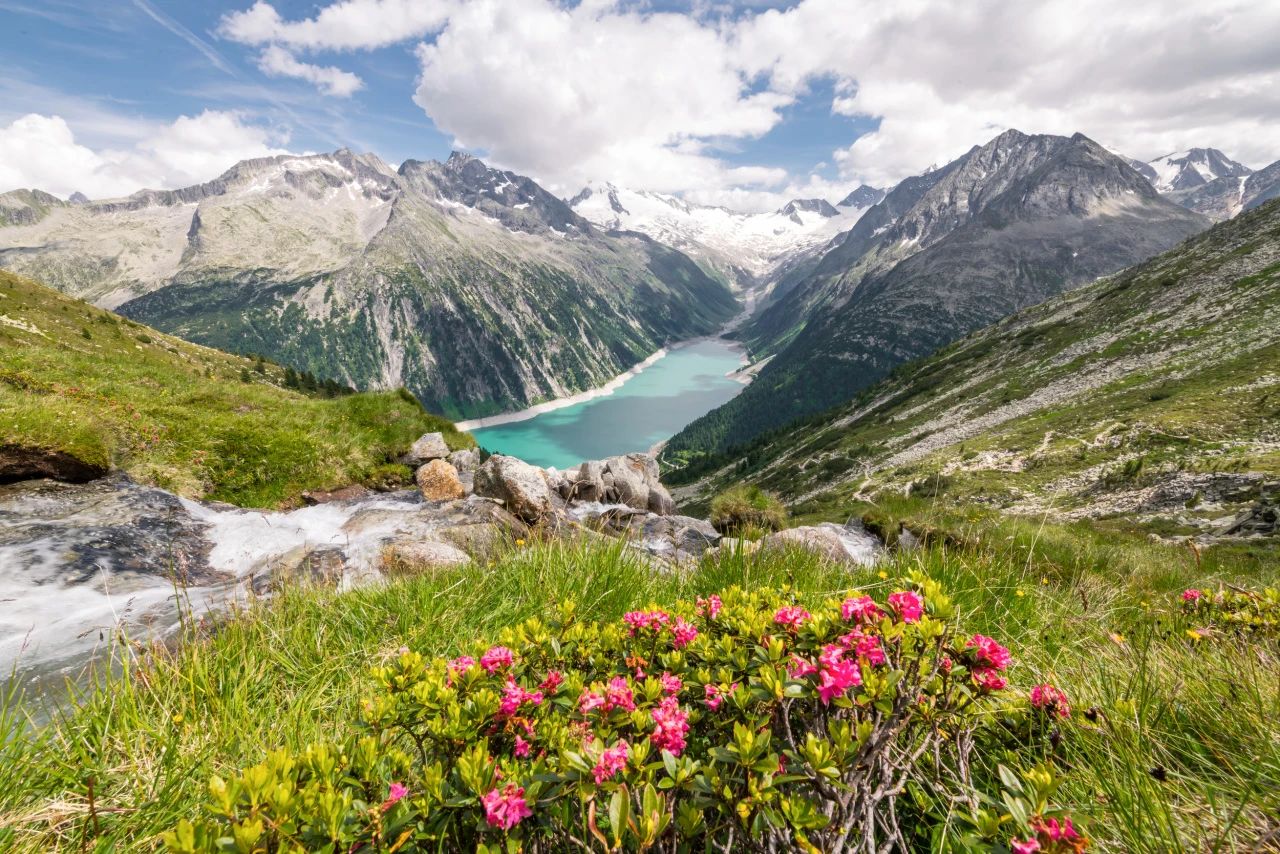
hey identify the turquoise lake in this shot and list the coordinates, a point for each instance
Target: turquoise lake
(649, 407)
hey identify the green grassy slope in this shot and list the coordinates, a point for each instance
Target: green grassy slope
(1089, 612)
(1154, 394)
(203, 423)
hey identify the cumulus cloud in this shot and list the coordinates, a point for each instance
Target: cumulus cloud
(279, 62)
(607, 90)
(346, 25)
(41, 152)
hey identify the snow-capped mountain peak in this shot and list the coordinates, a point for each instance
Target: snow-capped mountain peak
(1184, 170)
(745, 247)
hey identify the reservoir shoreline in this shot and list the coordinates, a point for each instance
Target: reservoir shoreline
(607, 389)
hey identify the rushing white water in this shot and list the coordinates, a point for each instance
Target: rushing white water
(79, 562)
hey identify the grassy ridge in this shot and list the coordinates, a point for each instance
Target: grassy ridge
(200, 422)
(1180, 754)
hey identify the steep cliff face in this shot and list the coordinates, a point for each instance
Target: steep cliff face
(1223, 198)
(1010, 224)
(473, 287)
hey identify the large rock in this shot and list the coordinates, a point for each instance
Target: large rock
(424, 555)
(439, 481)
(465, 461)
(631, 479)
(843, 544)
(520, 486)
(430, 446)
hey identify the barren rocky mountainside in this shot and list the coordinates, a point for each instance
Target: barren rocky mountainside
(1008, 225)
(1152, 394)
(475, 288)
(1223, 198)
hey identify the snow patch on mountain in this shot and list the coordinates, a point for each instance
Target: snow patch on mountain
(746, 247)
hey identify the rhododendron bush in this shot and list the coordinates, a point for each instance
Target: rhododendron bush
(752, 722)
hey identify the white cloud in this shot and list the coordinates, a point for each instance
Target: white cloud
(346, 25)
(41, 152)
(600, 90)
(594, 92)
(279, 62)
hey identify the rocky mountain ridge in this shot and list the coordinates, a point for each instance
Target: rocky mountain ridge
(1150, 394)
(473, 287)
(1010, 224)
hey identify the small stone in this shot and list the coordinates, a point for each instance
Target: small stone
(439, 481)
(465, 461)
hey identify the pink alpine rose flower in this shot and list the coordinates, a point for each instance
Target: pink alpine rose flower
(1050, 700)
(835, 680)
(496, 658)
(522, 748)
(639, 620)
(682, 633)
(670, 725)
(1030, 846)
(710, 607)
(907, 605)
(792, 616)
(988, 653)
(613, 760)
(800, 667)
(671, 684)
(1191, 596)
(552, 682)
(618, 695)
(862, 609)
(713, 697)
(394, 794)
(506, 808)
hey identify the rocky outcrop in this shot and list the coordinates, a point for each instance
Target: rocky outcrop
(424, 555)
(631, 479)
(521, 487)
(430, 446)
(324, 496)
(840, 543)
(439, 481)
(18, 462)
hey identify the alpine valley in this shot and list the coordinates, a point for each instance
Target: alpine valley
(474, 288)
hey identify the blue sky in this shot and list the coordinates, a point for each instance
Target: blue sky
(740, 102)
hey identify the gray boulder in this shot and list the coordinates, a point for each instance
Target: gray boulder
(430, 446)
(631, 479)
(518, 485)
(840, 543)
(465, 461)
(424, 555)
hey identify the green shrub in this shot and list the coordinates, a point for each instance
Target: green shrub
(747, 506)
(743, 724)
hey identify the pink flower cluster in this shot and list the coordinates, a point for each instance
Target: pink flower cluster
(613, 760)
(989, 659)
(800, 667)
(710, 607)
(394, 794)
(506, 808)
(836, 674)
(1051, 835)
(496, 658)
(671, 683)
(617, 695)
(552, 682)
(513, 697)
(646, 620)
(682, 631)
(864, 645)
(1051, 700)
(792, 616)
(1192, 596)
(907, 605)
(522, 748)
(461, 664)
(670, 725)
(713, 697)
(862, 609)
